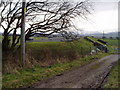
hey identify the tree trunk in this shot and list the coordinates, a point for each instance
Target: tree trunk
(6, 43)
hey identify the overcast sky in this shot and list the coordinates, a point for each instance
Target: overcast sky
(103, 18)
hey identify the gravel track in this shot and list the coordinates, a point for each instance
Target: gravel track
(88, 76)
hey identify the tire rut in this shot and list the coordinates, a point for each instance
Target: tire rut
(89, 76)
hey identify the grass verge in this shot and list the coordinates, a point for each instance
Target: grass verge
(27, 77)
(113, 78)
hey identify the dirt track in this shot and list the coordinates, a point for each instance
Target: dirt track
(89, 76)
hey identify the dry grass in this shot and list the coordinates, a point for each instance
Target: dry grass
(46, 54)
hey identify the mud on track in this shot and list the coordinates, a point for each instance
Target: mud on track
(88, 76)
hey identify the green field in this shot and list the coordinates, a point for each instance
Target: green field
(38, 38)
(51, 51)
(112, 43)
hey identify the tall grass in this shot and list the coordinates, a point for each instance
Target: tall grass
(27, 77)
(58, 51)
(47, 53)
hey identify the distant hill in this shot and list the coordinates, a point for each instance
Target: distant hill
(107, 35)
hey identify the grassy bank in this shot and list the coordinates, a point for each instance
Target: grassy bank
(112, 43)
(113, 80)
(26, 77)
(44, 51)
(47, 53)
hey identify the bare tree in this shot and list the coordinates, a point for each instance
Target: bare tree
(46, 16)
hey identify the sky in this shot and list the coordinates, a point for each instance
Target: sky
(104, 17)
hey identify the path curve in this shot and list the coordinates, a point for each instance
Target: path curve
(88, 76)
